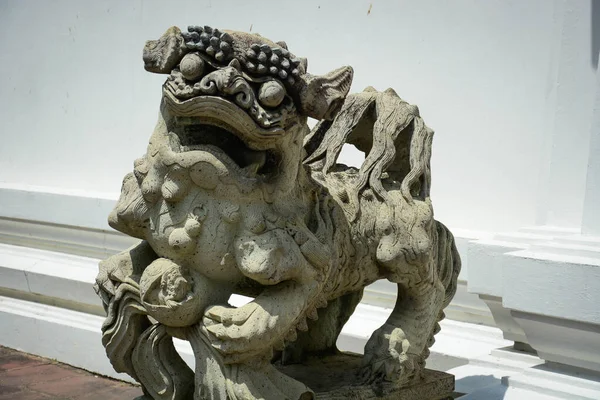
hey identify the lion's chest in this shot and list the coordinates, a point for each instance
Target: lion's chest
(202, 232)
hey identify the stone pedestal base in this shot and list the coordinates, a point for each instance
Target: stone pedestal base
(335, 377)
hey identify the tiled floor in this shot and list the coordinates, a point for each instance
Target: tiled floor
(27, 377)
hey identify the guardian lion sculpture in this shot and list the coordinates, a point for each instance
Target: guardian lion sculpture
(237, 195)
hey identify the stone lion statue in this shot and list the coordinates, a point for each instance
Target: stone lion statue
(236, 194)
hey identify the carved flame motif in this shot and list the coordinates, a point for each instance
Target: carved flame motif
(236, 195)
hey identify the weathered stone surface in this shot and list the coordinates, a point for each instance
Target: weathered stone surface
(236, 195)
(335, 378)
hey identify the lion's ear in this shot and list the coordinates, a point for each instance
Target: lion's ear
(321, 97)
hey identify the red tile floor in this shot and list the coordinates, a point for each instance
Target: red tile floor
(27, 377)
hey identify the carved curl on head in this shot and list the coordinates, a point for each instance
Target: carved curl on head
(258, 58)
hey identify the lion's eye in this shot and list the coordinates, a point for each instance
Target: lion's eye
(191, 66)
(271, 94)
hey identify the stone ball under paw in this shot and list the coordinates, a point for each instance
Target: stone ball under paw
(173, 295)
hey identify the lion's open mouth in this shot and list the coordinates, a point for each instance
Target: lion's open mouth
(201, 136)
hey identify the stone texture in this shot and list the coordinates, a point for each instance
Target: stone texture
(334, 378)
(237, 195)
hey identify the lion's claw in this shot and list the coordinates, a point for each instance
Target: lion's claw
(228, 316)
(389, 357)
(239, 332)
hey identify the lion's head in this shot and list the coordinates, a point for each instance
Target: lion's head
(225, 158)
(242, 97)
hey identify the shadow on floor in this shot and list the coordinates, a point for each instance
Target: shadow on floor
(481, 387)
(443, 362)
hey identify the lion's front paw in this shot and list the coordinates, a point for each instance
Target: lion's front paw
(389, 356)
(241, 333)
(122, 267)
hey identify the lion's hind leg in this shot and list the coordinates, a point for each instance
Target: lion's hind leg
(322, 334)
(397, 351)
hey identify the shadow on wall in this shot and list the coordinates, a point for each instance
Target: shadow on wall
(488, 387)
(595, 32)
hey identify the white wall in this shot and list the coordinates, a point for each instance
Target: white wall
(76, 106)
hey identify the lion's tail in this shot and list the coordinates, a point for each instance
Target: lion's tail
(448, 261)
(448, 267)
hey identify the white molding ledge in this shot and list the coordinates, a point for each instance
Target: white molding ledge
(71, 208)
(81, 241)
(70, 337)
(51, 277)
(488, 277)
(543, 287)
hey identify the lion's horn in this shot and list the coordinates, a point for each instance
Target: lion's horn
(321, 97)
(160, 56)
